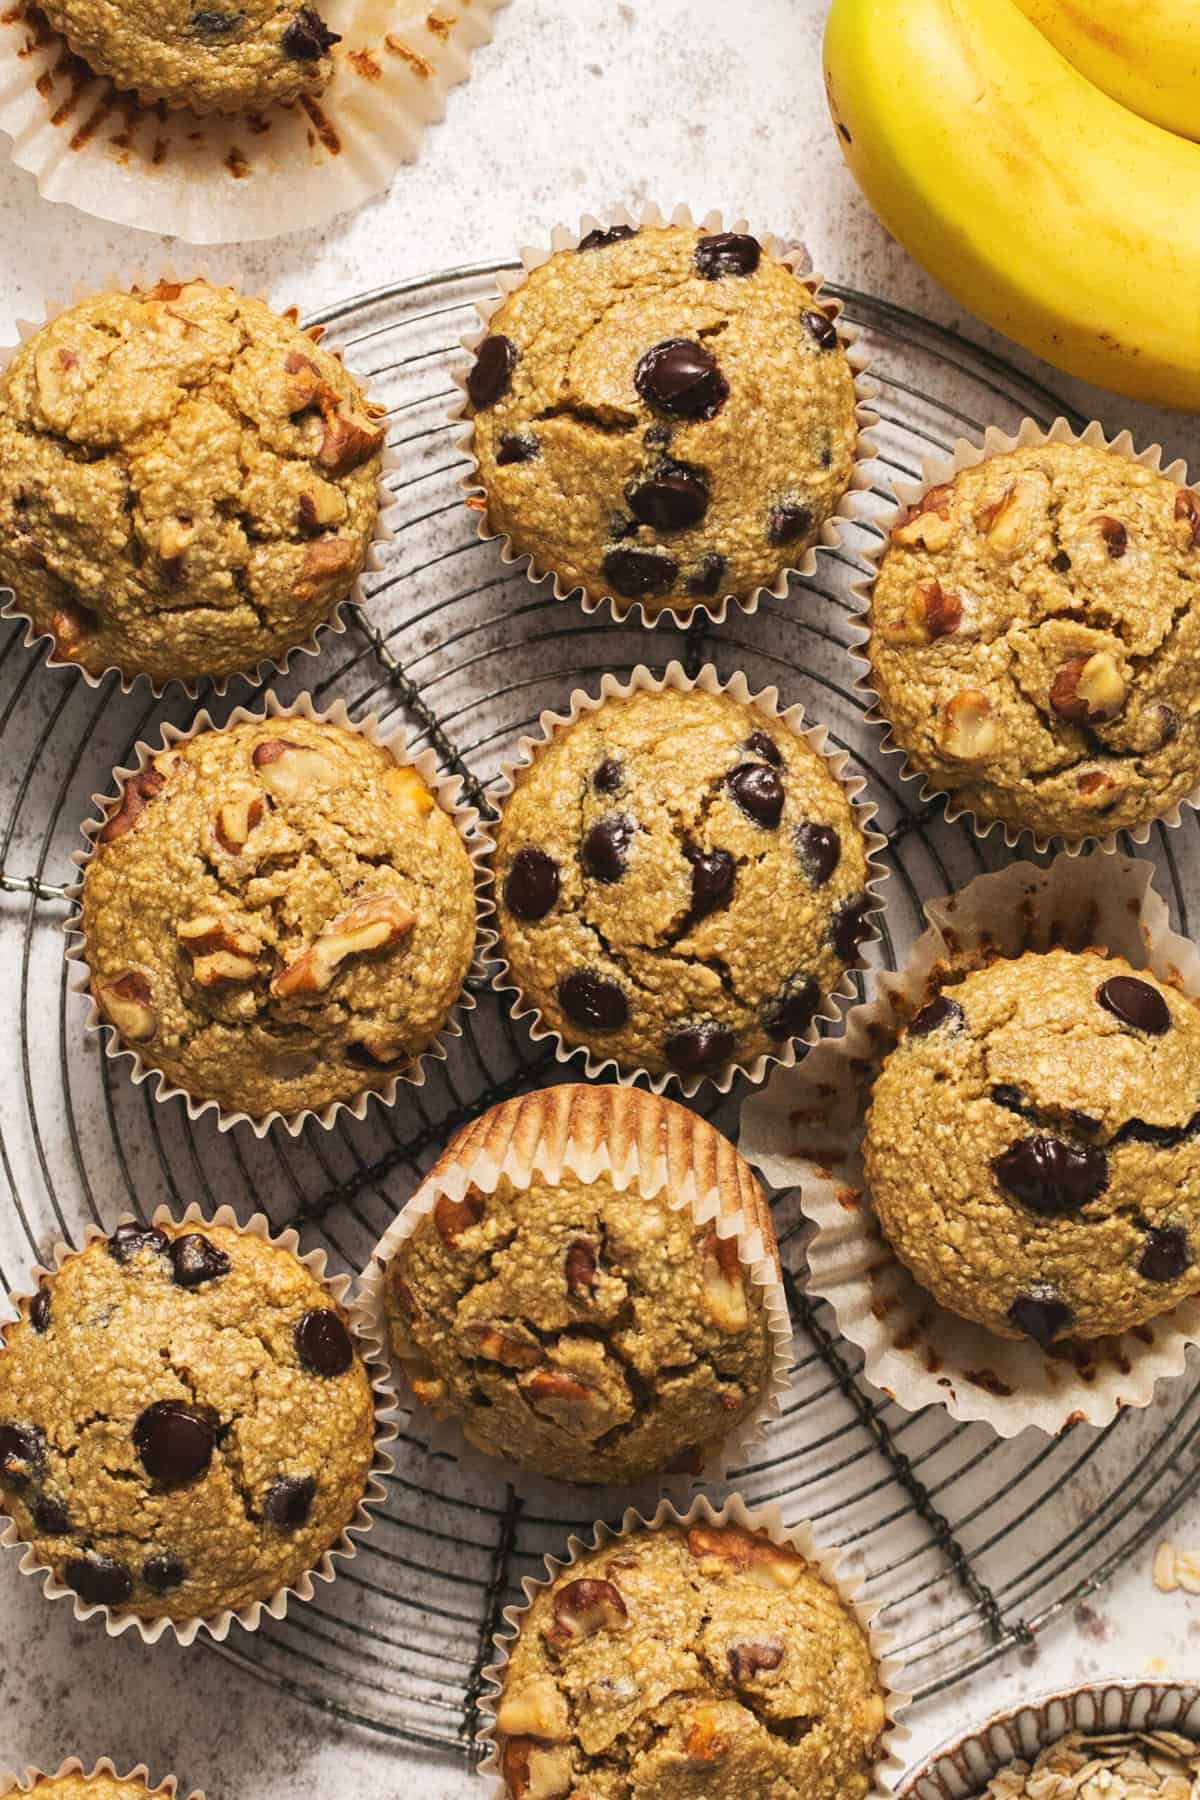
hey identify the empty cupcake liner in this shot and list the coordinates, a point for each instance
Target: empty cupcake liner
(446, 789)
(936, 471)
(767, 1520)
(791, 718)
(631, 1138)
(210, 178)
(30, 1778)
(268, 667)
(343, 1550)
(805, 1129)
(832, 537)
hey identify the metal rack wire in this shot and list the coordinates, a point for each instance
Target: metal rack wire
(974, 1545)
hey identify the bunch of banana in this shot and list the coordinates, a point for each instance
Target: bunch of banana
(1048, 206)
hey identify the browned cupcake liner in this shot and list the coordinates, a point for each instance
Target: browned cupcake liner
(736, 1512)
(29, 1778)
(268, 667)
(345, 1547)
(832, 532)
(447, 790)
(805, 1129)
(641, 681)
(935, 472)
(592, 1131)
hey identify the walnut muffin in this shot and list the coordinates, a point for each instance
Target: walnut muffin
(1032, 1147)
(663, 416)
(278, 915)
(186, 1423)
(188, 483)
(104, 1783)
(1034, 631)
(680, 882)
(678, 1662)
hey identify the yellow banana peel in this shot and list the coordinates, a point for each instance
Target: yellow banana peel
(1144, 53)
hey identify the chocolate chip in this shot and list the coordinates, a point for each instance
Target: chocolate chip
(713, 873)
(175, 1442)
(1009, 1097)
(787, 520)
(680, 376)
(609, 777)
(706, 578)
(531, 885)
(1085, 1123)
(22, 1455)
(693, 1049)
(322, 1342)
(820, 329)
(99, 1580)
(632, 571)
(128, 1240)
(603, 236)
(1116, 538)
(308, 37)
(795, 1009)
(1061, 563)
(1135, 1003)
(758, 791)
(216, 25)
(672, 498)
(937, 1013)
(760, 744)
(491, 375)
(1041, 1315)
(1163, 1137)
(39, 1310)
(818, 849)
(657, 437)
(50, 1516)
(1166, 1255)
(1050, 1177)
(727, 253)
(850, 927)
(164, 1572)
(517, 447)
(289, 1500)
(1168, 726)
(194, 1259)
(593, 1001)
(606, 847)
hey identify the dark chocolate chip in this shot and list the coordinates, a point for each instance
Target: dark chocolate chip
(787, 520)
(39, 1310)
(1166, 1255)
(1135, 1003)
(795, 1009)
(175, 1442)
(937, 1013)
(22, 1455)
(820, 328)
(713, 873)
(1050, 1177)
(727, 253)
(164, 1572)
(593, 1001)
(1041, 1315)
(758, 790)
(605, 848)
(531, 885)
(1085, 1123)
(195, 1259)
(609, 776)
(50, 1516)
(680, 376)
(760, 744)
(322, 1342)
(216, 25)
(693, 1049)
(632, 571)
(491, 374)
(657, 437)
(1163, 1137)
(672, 498)
(127, 1240)
(517, 447)
(99, 1580)
(1061, 563)
(818, 849)
(289, 1500)
(850, 926)
(1116, 538)
(603, 236)
(308, 37)
(706, 578)
(1009, 1097)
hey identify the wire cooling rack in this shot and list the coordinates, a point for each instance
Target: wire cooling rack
(973, 1545)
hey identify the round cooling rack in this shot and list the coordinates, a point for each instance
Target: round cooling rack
(972, 1545)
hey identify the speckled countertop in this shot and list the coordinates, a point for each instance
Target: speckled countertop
(577, 103)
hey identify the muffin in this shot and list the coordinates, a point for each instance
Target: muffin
(277, 915)
(680, 882)
(186, 1424)
(1032, 1147)
(234, 60)
(663, 416)
(702, 1660)
(1034, 629)
(570, 1320)
(188, 484)
(70, 1783)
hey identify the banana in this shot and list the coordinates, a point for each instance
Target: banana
(1052, 212)
(1145, 53)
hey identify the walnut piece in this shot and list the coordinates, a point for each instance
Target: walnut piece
(1187, 517)
(348, 440)
(582, 1608)
(746, 1553)
(536, 1709)
(409, 790)
(378, 923)
(929, 524)
(754, 1656)
(235, 821)
(126, 1002)
(1006, 522)
(580, 1268)
(535, 1773)
(324, 561)
(513, 1346)
(968, 732)
(453, 1217)
(722, 1284)
(930, 613)
(289, 770)
(1088, 688)
(220, 952)
(136, 795)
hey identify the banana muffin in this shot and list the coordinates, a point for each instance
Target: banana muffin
(186, 1423)
(663, 416)
(1034, 634)
(277, 915)
(1033, 1146)
(72, 1784)
(680, 882)
(188, 483)
(225, 59)
(678, 1662)
(582, 1328)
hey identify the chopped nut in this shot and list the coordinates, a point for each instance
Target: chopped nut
(766, 1564)
(377, 1052)
(754, 1656)
(409, 790)
(1088, 687)
(558, 1396)
(453, 1217)
(289, 771)
(536, 1709)
(513, 1346)
(930, 613)
(174, 537)
(72, 625)
(378, 923)
(53, 368)
(305, 383)
(723, 1284)
(1098, 788)
(1006, 522)
(1187, 516)
(136, 795)
(126, 1003)
(968, 730)
(1116, 538)
(324, 561)
(930, 523)
(320, 506)
(220, 952)
(348, 440)
(584, 1607)
(580, 1267)
(223, 968)
(535, 1773)
(235, 821)
(704, 1743)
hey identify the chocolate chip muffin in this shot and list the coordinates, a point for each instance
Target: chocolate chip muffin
(680, 881)
(277, 915)
(186, 1423)
(1033, 1146)
(188, 483)
(1034, 631)
(679, 1662)
(226, 59)
(663, 416)
(583, 1328)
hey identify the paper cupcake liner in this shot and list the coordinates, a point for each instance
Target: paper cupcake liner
(215, 179)
(832, 536)
(806, 1130)
(446, 789)
(630, 1138)
(935, 471)
(791, 718)
(268, 667)
(344, 1548)
(767, 1520)
(28, 1779)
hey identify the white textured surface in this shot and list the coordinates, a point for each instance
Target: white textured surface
(577, 104)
